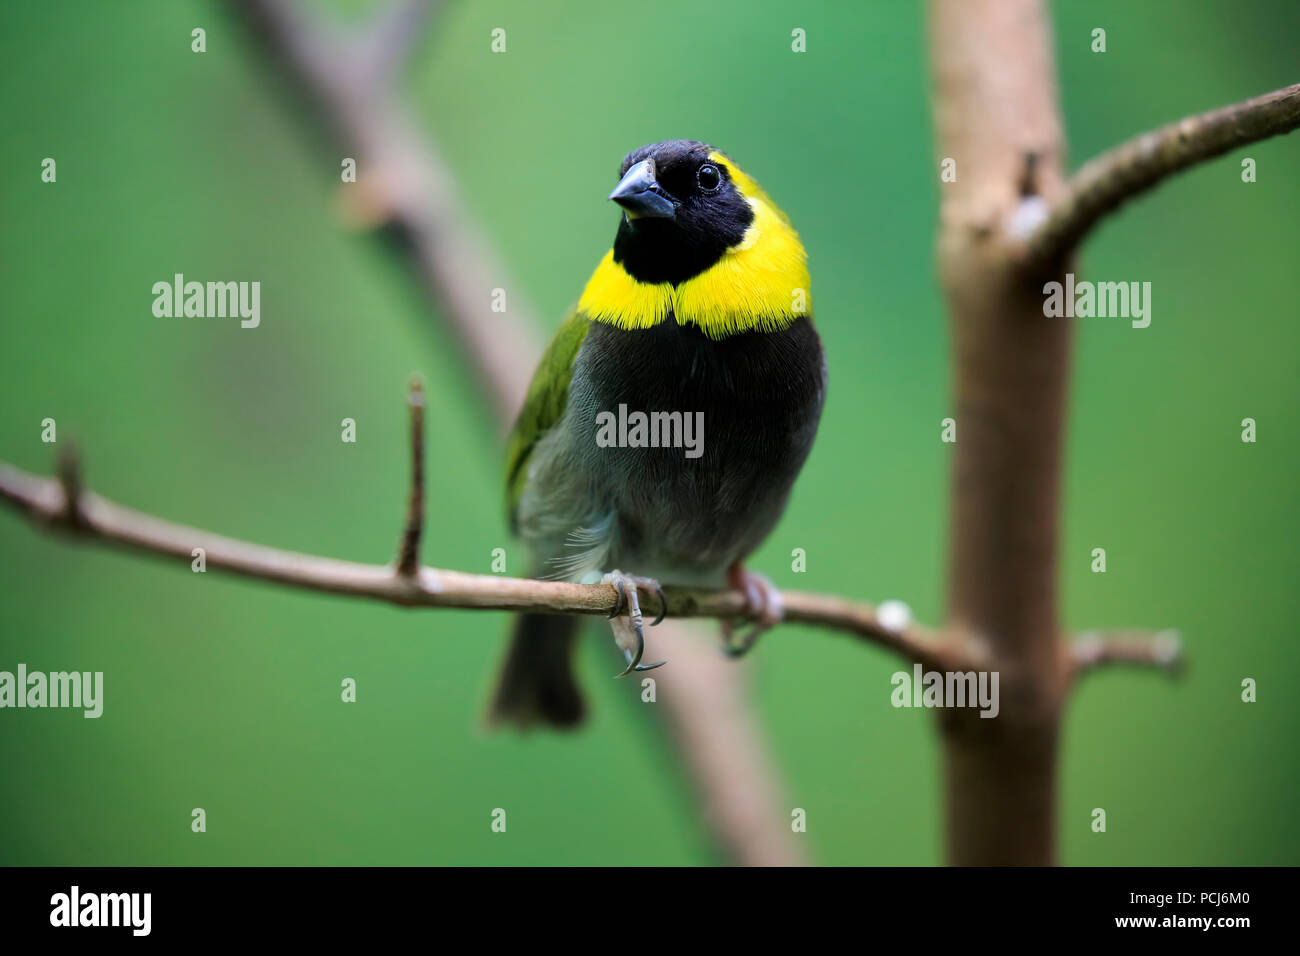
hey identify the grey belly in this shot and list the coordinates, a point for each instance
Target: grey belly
(682, 514)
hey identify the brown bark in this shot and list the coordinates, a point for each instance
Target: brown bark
(1009, 223)
(996, 115)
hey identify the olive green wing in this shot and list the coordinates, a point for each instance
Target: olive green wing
(544, 404)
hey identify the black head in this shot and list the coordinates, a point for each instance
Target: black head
(681, 211)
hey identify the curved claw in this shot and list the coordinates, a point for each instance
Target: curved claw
(663, 608)
(739, 648)
(630, 604)
(634, 658)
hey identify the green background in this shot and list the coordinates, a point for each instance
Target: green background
(224, 694)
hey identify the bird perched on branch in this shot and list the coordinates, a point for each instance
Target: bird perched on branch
(668, 418)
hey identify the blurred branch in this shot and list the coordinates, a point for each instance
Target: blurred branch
(1094, 649)
(403, 184)
(1107, 182)
(385, 48)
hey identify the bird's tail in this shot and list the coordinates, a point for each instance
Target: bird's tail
(536, 685)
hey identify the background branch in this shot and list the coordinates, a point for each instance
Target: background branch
(1104, 184)
(403, 184)
(1094, 649)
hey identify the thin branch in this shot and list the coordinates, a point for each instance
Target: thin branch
(45, 502)
(1107, 182)
(1094, 649)
(408, 555)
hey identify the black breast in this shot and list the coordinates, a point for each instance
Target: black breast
(760, 395)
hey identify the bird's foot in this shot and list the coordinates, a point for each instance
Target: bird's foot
(629, 635)
(763, 606)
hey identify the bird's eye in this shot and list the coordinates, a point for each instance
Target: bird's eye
(709, 177)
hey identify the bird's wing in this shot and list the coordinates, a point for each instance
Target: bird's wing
(544, 404)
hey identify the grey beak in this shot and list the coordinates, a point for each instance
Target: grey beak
(640, 194)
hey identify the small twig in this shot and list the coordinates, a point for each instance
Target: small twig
(408, 555)
(1114, 177)
(70, 484)
(1094, 649)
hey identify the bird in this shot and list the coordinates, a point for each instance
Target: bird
(668, 419)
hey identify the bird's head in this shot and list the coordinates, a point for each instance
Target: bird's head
(684, 205)
(698, 240)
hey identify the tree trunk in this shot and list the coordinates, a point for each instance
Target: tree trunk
(996, 116)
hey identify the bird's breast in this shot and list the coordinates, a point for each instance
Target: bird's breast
(692, 443)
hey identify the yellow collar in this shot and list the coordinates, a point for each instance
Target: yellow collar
(761, 283)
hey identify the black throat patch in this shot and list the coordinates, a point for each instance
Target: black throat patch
(658, 250)
(708, 221)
